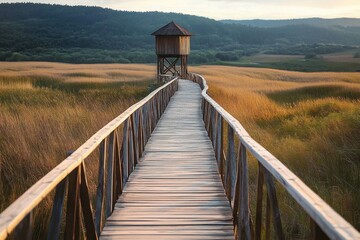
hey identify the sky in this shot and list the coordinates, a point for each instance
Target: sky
(230, 9)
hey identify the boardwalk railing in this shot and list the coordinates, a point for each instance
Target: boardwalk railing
(233, 168)
(118, 157)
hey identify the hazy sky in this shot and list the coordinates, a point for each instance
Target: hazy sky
(231, 9)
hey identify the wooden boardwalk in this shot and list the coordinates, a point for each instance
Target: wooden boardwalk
(175, 192)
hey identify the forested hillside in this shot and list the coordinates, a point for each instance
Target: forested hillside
(320, 22)
(92, 34)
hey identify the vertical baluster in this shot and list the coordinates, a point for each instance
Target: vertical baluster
(125, 156)
(86, 206)
(259, 200)
(100, 188)
(140, 133)
(57, 209)
(151, 117)
(110, 176)
(144, 124)
(72, 229)
(270, 186)
(268, 219)
(205, 112)
(24, 230)
(231, 166)
(213, 126)
(237, 189)
(203, 107)
(135, 123)
(117, 186)
(153, 102)
(208, 120)
(244, 229)
(219, 146)
(157, 103)
(131, 146)
(316, 232)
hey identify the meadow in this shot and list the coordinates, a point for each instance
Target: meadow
(343, 61)
(47, 109)
(310, 121)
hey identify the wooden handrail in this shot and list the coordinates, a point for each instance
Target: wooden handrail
(326, 223)
(116, 158)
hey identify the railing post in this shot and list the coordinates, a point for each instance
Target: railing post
(219, 146)
(100, 188)
(131, 152)
(86, 206)
(231, 164)
(259, 202)
(244, 228)
(72, 229)
(25, 229)
(57, 209)
(125, 158)
(110, 175)
(118, 184)
(270, 186)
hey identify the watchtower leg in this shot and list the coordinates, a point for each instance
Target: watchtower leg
(184, 70)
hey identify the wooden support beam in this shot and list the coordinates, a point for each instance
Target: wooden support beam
(100, 187)
(57, 210)
(86, 206)
(72, 229)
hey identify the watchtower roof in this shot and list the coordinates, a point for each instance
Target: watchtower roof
(171, 29)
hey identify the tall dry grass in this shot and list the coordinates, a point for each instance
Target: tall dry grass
(47, 109)
(310, 121)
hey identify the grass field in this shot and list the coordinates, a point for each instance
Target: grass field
(47, 109)
(310, 121)
(334, 62)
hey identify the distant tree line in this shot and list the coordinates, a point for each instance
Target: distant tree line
(43, 32)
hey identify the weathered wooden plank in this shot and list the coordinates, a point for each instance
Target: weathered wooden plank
(176, 189)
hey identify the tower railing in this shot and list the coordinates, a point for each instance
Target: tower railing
(233, 168)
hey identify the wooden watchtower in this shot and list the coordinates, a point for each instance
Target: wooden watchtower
(172, 45)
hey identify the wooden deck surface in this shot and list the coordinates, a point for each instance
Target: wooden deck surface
(175, 191)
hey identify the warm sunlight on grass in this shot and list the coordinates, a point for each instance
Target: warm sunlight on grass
(79, 72)
(47, 109)
(310, 121)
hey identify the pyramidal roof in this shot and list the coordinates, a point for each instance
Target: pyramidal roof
(171, 29)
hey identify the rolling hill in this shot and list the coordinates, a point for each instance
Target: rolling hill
(92, 34)
(320, 22)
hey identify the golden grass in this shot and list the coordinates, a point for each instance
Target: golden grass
(79, 72)
(310, 121)
(47, 109)
(315, 135)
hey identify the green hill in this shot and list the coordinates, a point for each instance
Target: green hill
(92, 34)
(320, 22)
